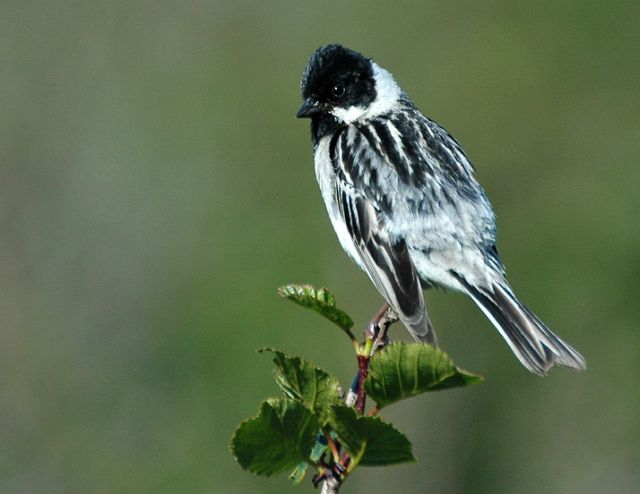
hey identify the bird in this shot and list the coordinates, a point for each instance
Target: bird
(406, 206)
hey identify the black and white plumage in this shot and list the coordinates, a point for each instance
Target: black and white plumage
(406, 206)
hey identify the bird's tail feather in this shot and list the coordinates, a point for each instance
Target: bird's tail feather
(422, 330)
(537, 348)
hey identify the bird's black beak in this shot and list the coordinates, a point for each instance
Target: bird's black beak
(308, 109)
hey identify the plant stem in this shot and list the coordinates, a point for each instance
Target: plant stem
(375, 338)
(330, 485)
(332, 446)
(363, 369)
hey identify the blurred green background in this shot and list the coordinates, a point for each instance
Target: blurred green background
(155, 189)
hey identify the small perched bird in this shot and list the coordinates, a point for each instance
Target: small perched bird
(404, 201)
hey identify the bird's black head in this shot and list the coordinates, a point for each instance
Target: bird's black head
(336, 79)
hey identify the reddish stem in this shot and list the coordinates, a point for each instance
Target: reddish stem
(363, 369)
(332, 446)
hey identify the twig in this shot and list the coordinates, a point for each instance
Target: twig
(330, 484)
(375, 339)
(332, 446)
(363, 367)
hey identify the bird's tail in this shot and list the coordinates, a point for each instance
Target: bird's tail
(422, 330)
(537, 348)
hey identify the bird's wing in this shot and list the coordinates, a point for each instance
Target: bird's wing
(387, 263)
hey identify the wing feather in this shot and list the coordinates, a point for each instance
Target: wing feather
(387, 263)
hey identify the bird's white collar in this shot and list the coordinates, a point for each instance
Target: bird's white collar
(387, 94)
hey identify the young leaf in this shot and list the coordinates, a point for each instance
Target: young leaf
(297, 476)
(319, 449)
(279, 438)
(302, 381)
(402, 370)
(320, 300)
(369, 440)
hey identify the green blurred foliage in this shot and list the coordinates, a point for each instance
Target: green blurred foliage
(155, 189)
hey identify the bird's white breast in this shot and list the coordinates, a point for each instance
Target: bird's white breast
(327, 182)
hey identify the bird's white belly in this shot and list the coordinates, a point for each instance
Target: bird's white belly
(436, 266)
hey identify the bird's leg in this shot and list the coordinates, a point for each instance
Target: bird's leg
(374, 325)
(379, 326)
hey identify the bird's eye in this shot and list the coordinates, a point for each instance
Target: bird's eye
(337, 90)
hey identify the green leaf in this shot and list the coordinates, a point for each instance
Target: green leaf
(279, 438)
(320, 300)
(297, 476)
(369, 440)
(402, 370)
(302, 381)
(320, 448)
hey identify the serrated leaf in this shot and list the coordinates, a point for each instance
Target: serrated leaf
(302, 381)
(402, 370)
(369, 440)
(319, 300)
(279, 438)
